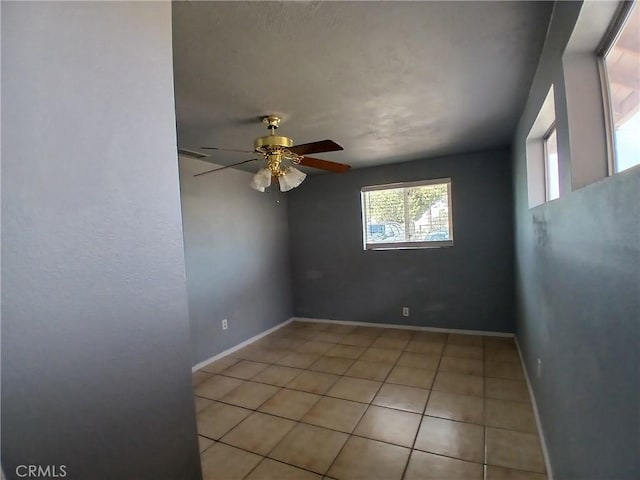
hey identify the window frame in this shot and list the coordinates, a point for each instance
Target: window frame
(535, 151)
(424, 244)
(545, 148)
(609, 39)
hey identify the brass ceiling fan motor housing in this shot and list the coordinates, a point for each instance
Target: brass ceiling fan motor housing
(272, 142)
(275, 148)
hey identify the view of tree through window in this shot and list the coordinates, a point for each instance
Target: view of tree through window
(415, 213)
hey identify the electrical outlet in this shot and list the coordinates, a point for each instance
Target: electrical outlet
(539, 368)
(405, 311)
(225, 324)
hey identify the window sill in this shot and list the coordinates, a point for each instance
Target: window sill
(408, 246)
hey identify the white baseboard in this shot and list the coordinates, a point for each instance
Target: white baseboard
(405, 327)
(345, 322)
(240, 345)
(543, 443)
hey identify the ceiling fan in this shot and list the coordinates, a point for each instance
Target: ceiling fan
(281, 156)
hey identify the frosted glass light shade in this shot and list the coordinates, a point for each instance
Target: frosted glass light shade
(261, 180)
(291, 179)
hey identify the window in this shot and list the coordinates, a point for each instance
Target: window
(620, 63)
(543, 179)
(552, 180)
(407, 215)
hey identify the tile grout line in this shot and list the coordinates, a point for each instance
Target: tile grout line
(484, 412)
(368, 404)
(362, 436)
(286, 387)
(436, 371)
(424, 411)
(300, 420)
(326, 473)
(363, 413)
(366, 410)
(286, 434)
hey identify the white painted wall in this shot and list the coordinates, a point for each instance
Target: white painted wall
(95, 335)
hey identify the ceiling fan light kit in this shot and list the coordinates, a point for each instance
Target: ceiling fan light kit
(281, 155)
(261, 180)
(291, 178)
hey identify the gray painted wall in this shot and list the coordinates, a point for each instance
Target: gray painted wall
(468, 286)
(237, 256)
(578, 290)
(95, 341)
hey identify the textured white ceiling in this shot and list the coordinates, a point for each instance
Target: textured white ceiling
(389, 81)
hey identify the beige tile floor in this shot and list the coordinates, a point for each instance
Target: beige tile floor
(329, 401)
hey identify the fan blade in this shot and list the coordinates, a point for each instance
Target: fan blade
(226, 166)
(227, 150)
(316, 147)
(324, 165)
